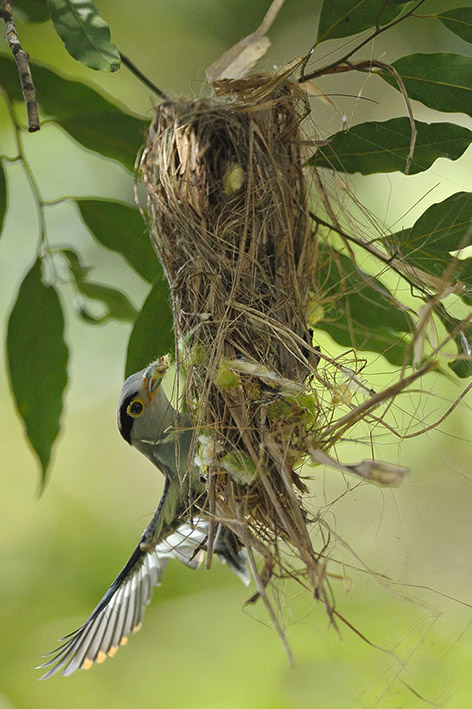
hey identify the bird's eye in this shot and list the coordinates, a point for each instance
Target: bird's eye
(135, 409)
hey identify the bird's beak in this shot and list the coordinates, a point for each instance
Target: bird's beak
(152, 380)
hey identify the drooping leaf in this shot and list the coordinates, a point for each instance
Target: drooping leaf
(3, 197)
(85, 114)
(32, 10)
(441, 81)
(458, 21)
(152, 334)
(343, 18)
(462, 335)
(384, 147)
(37, 361)
(120, 227)
(444, 228)
(78, 270)
(85, 33)
(116, 303)
(357, 310)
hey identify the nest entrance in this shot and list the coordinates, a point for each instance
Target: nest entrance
(228, 207)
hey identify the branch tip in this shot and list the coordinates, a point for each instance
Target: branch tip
(22, 61)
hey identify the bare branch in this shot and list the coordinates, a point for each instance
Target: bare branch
(22, 61)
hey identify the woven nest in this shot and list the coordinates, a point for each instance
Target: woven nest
(227, 199)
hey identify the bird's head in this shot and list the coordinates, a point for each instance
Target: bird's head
(143, 408)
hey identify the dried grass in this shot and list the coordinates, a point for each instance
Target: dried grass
(228, 209)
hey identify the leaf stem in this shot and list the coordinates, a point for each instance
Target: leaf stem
(147, 82)
(23, 160)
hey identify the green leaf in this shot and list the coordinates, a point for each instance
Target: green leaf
(440, 81)
(116, 303)
(357, 310)
(37, 360)
(382, 340)
(152, 334)
(120, 227)
(444, 228)
(3, 197)
(85, 33)
(384, 147)
(462, 336)
(85, 114)
(343, 18)
(458, 21)
(78, 270)
(32, 10)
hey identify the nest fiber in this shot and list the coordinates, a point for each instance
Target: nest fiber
(229, 217)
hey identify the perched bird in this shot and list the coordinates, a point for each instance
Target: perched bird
(149, 422)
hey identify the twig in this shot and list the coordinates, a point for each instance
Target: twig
(416, 277)
(21, 57)
(368, 66)
(139, 74)
(360, 411)
(331, 68)
(375, 64)
(270, 16)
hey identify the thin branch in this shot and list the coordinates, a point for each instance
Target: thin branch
(331, 68)
(359, 411)
(22, 61)
(368, 66)
(147, 82)
(375, 64)
(270, 16)
(22, 159)
(415, 277)
(443, 417)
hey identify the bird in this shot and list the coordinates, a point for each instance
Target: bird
(148, 422)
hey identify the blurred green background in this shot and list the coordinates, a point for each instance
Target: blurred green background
(200, 646)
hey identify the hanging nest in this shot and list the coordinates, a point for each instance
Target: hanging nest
(228, 209)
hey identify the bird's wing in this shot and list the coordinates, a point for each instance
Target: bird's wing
(121, 609)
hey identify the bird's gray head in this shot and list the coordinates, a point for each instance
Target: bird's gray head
(143, 408)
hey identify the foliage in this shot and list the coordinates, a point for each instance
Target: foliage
(362, 314)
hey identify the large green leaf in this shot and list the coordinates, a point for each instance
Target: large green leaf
(90, 118)
(444, 228)
(357, 310)
(3, 197)
(440, 81)
(120, 227)
(85, 33)
(342, 18)
(32, 10)
(152, 334)
(458, 21)
(384, 147)
(37, 360)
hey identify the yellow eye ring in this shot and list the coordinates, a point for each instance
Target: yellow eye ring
(135, 408)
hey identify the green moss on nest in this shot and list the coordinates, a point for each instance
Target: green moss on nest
(225, 378)
(240, 466)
